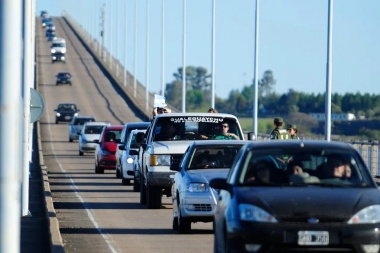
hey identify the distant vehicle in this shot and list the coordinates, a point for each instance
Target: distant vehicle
(105, 152)
(63, 78)
(192, 197)
(46, 21)
(51, 36)
(76, 125)
(58, 46)
(43, 13)
(128, 160)
(58, 57)
(128, 127)
(65, 112)
(89, 133)
(323, 199)
(50, 30)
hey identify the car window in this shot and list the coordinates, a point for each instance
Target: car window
(300, 167)
(195, 128)
(212, 157)
(93, 129)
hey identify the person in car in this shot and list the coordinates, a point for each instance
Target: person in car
(110, 137)
(167, 132)
(336, 167)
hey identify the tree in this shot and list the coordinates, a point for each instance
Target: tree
(197, 87)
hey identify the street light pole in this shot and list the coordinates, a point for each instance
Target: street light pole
(184, 60)
(255, 92)
(328, 74)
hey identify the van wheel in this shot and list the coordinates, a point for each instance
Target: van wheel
(153, 197)
(142, 192)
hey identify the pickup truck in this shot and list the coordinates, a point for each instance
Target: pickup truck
(165, 142)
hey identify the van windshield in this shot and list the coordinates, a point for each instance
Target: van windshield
(197, 128)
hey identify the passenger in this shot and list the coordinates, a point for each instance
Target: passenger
(294, 167)
(222, 132)
(297, 175)
(212, 110)
(336, 167)
(168, 132)
(260, 173)
(110, 137)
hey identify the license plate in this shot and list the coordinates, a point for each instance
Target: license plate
(313, 238)
(67, 117)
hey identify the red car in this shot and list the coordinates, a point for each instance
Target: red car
(105, 158)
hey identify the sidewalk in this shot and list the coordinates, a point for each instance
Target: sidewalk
(40, 230)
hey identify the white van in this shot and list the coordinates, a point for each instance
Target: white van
(58, 46)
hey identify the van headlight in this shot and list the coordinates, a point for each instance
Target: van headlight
(160, 160)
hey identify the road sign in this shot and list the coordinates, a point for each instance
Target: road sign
(37, 105)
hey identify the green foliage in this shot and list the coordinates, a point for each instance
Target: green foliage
(293, 105)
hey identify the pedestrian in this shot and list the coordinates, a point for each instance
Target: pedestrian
(278, 132)
(292, 129)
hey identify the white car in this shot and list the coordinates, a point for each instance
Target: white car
(76, 125)
(192, 197)
(128, 161)
(89, 133)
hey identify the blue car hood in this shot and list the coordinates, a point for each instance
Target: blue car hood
(291, 202)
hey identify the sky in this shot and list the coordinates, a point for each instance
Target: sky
(292, 40)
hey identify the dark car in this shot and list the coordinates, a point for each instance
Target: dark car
(65, 112)
(63, 77)
(49, 31)
(58, 56)
(51, 36)
(297, 196)
(192, 198)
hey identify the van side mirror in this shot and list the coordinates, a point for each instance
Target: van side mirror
(251, 136)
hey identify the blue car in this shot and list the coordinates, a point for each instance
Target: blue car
(297, 196)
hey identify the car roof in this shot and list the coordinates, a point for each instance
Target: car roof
(138, 131)
(137, 124)
(67, 104)
(97, 123)
(218, 142)
(196, 114)
(64, 72)
(84, 117)
(293, 144)
(114, 127)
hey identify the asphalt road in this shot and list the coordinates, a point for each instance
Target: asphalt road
(96, 213)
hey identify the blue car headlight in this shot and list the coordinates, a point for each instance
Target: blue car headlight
(370, 214)
(58, 114)
(196, 187)
(253, 213)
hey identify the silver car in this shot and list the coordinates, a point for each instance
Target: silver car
(192, 197)
(90, 132)
(76, 125)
